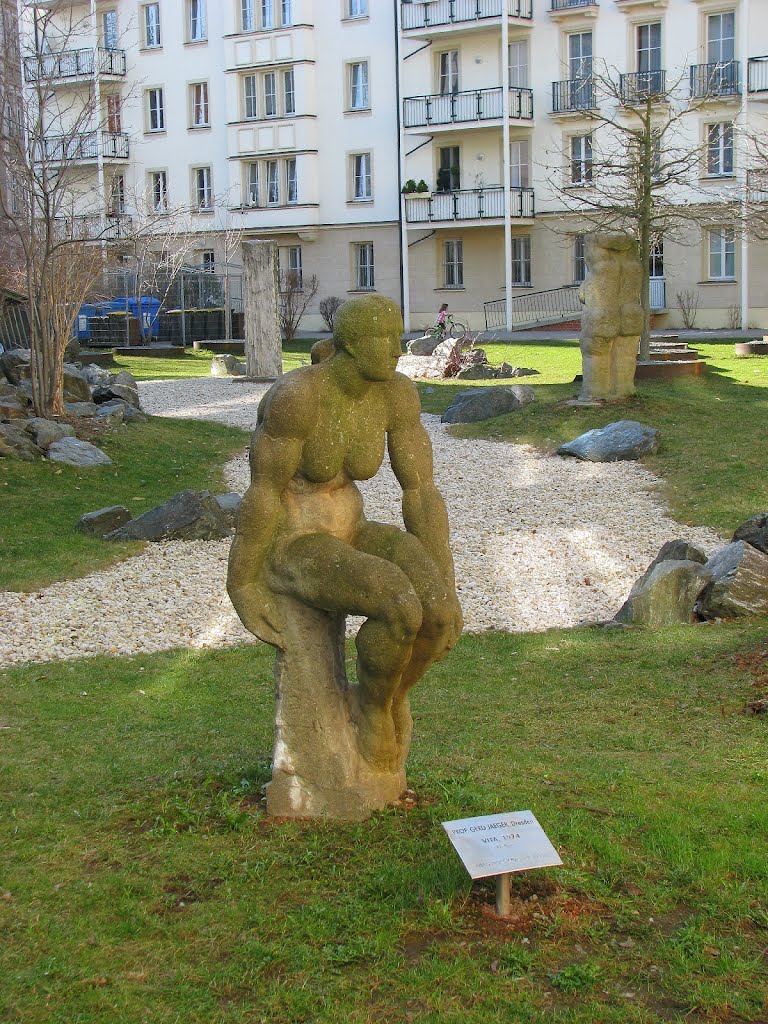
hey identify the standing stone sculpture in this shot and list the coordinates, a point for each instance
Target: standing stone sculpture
(612, 319)
(263, 344)
(305, 556)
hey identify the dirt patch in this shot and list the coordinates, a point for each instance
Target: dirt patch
(181, 892)
(754, 663)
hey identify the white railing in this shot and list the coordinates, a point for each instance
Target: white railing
(448, 12)
(657, 293)
(469, 204)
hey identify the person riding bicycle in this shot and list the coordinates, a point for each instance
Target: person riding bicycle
(441, 318)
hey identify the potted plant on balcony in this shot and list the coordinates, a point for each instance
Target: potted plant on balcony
(423, 190)
(409, 187)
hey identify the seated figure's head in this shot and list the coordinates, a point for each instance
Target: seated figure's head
(370, 330)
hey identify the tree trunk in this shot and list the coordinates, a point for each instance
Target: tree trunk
(263, 348)
(646, 215)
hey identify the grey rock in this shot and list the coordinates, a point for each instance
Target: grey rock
(506, 370)
(71, 451)
(755, 532)
(120, 385)
(84, 409)
(15, 443)
(678, 551)
(230, 503)
(617, 442)
(477, 373)
(130, 413)
(45, 432)
(103, 520)
(14, 392)
(96, 375)
(227, 365)
(72, 351)
(422, 346)
(188, 515)
(665, 594)
(739, 584)
(76, 387)
(478, 404)
(11, 410)
(15, 364)
(111, 415)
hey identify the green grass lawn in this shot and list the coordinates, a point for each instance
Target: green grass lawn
(141, 881)
(42, 501)
(198, 363)
(713, 440)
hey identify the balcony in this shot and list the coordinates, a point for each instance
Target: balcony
(573, 95)
(84, 148)
(562, 8)
(465, 107)
(757, 74)
(642, 86)
(75, 64)
(441, 13)
(476, 204)
(714, 81)
(89, 228)
(657, 294)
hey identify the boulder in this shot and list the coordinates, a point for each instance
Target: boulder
(188, 515)
(103, 520)
(477, 373)
(15, 364)
(84, 409)
(227, 365)
(71, 451)
(506, 370)
(72, 351)
(230, 503)
(45, 432)
(678, 551)
(11, 410)
(111, 415)
(665, 594)
(15, 443)
(422, 346)
(477, 404)
(16, 393)
(739, 583)
(120, 385)
(130, 413)
(76, 387)
(96, 376)
(755, 532)
(617, 442)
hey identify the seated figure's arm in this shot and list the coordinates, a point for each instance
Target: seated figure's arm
(275, 458)
(410, 452)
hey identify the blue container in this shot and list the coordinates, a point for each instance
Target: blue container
(82, 324)
(147, 310)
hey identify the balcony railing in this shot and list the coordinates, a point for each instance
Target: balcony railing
(551, 306)
(643, 85)
(565, 5)
(573, 94)
(757, 74)
(49, 67)
(450, 12)
(715, 79)
(460, 107)
(657, 294)
(469, 204)
(91, 227)
(67, 148)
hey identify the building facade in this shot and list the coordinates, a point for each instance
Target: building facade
(430, 151)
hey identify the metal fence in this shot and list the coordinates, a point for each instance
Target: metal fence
(535, 307)
(448, 12)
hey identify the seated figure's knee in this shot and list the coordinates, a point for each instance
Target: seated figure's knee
(403, 614)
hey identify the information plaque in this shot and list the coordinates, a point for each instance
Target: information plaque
(500, 844)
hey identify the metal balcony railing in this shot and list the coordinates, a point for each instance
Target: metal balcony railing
(573, 94)
(550, 306)
(66, 148)
(565, 5)
(643, 85)
(757, 74)
(449, 12)
(715, 79)
(50, 67)
(91, 227)
(469, 204)
(657, 293)
(461, 107)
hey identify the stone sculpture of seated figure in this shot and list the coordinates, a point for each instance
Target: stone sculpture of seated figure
(305, 556)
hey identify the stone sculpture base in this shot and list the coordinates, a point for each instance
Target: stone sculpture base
(317, 768)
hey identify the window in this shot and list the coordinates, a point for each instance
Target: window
(252, 185)
(361, 177)
(109, 29)
(289, 92)
(519, 163)
(521, 262)
(155, 110)
(581, 159)
(291, 183)
(358, 86)
(656, 259)
(289, 263)
(286, 12)
(158, 184)
(364, 266)
(198, 30)
(357, 8)
(518, 64)
(116, 196)
(273, 184)
(152, 24)
(267, 13)
(448, 72)
(579, 260)
(720, 148)
(203, 197)
(208, 261)
(453, 264)
(580, 56)
(270, 94)
(448, 172)
(247, 23)
(114, 113)
(722, 254)
(649, 47)
(199, 104)
(251, 97)
(721, 38)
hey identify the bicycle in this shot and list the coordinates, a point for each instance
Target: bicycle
(450, 329)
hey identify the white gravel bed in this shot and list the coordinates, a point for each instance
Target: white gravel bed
(539, 541)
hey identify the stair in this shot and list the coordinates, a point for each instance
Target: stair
(670, 357)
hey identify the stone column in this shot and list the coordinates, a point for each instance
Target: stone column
(263, 344)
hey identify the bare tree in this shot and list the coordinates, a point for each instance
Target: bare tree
(637, 168)
(329, 307)
(296, 293)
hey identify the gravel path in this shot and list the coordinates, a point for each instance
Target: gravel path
(539, 541)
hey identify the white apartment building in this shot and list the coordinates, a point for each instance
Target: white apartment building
(302, 120)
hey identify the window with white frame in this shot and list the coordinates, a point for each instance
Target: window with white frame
(357, 8)
(203, 188)
(519, 163)
(247, 22)
(114, 112)
(273, 183)
(364, 279)
(453, 264)
(267, 13)
(270, 94)
(656, 259)
(198, 29)
(262, 97)
(289, 263)
(720, 148)
(518, 64)
(581, 159)
(250, 97)
(109, 31)
(252, 185)
(208, 261)
(521, 261)
(155, 110)
(578, 260)
(291, 181)
(448, 72)
(286, 12)
(116, 195)
(721, 38)
(361, 177)
(722, 254)
(198, 95)
(152, 25)
(158, 188)
(289, 92)
(358, 86)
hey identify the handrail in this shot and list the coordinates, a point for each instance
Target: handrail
(468, 204)
(534, 307)
(80, 63)
(574, 94)
(564, 5)
(717, 79)
(642, 85)
(468, 105)
(85, 146)
(429, 13)
(757, 74)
